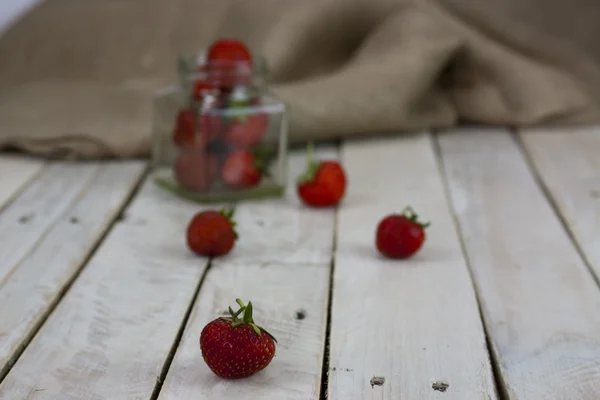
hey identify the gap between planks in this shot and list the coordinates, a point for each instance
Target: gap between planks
(565, 164)
(16, 172)
(165, 369)
(414, 322)
(500, 384)
(142, 279)
(327, 342)
(281, 264)
(538, 297)
(111, 333)
(44, 289)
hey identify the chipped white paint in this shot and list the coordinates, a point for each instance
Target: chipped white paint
(412, 322)
(539, 300)
(266, 267)
(61, 245)
(568, 162)
(15, 173)
(111, 333)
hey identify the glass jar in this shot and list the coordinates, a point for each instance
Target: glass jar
(219, 135)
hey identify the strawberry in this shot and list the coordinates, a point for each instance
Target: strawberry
(323, 184)
(234, 347)
(248, 131)
(228, 50)
(242, 169)
(400, 235)
(201, 87)
(195, 170)
(211, 233)
(230, 63)
(185, 133)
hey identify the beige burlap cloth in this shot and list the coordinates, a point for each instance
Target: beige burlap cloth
(77, 77)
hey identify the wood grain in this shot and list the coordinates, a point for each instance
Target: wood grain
(282, 265)
(112, 332)
(37, 209)
(539, 300)
(15, 173)
(37, 280)
(277, 292)
(568, 163)
(413, 322)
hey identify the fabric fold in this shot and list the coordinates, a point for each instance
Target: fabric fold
(77, 79)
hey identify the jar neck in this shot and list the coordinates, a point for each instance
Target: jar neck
(240, 82)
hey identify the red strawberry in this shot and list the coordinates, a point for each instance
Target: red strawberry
(241, 169)
(234, 347)
(400, 235)
(211, 233)
(201, 87)
(195, 170)
(323, 183)
(247, 131)
(185, 135)
(228, 50)
(230, 63)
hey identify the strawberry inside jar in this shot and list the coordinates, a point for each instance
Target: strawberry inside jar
(229, 64)
(224, 117)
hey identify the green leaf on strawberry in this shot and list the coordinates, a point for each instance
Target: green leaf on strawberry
(312, 166)
(409, 213)
(323, 183)
(235, 347)
(228, 213)
(247, 318)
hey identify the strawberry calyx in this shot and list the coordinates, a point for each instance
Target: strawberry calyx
(246, 318)
(262, 158)
(312, 166)
(239, 98)
(228, 213)
(410, 214)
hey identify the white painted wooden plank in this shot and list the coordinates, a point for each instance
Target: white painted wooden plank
(277, 293)
(539, 300)
(38, 208)
(15, 173)
(568, 162)
(279, 284)
(413, 322)
(109, 336)
(41, 276)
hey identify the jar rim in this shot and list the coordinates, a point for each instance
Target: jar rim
(195, 66)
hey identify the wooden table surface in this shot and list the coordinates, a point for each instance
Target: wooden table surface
(100, 298)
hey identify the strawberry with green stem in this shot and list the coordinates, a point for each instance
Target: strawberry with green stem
(236, 347)
(247, 131)
(400, 235)
(247, 123)
(244, 168)
(229, 63)
(323, 184)
(212, 233)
